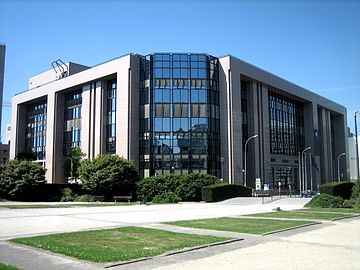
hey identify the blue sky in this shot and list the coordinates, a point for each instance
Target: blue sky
(315, 44)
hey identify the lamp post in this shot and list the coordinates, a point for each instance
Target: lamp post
(338, 163)
(222, 169)
(247, 141)
(303, 166)
(357, 146)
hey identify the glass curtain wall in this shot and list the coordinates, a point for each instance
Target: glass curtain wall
(179, 114)
(72, 121)
(111, 116)
(286, 125)
(36, 119)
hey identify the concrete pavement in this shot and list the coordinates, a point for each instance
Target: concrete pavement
(331, 245)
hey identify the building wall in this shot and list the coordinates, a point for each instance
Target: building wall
(244, 104)
(92, 82)
(2, 71)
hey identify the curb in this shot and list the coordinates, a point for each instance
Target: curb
(292, 228)
(341, 218)
(176, 252)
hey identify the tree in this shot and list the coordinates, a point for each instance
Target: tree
(108, 175)
(72, 164)
(20, 179)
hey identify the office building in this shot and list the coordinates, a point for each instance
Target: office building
(182, 113)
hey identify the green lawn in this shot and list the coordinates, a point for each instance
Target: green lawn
(120, 244)
(241, 225)
(27, 206)
(333, 210)
(7, 267)
(302, 215)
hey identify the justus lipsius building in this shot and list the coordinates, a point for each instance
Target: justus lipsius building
(182, 113)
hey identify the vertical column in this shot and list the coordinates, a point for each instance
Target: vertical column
(134, 110)
(18, 126)
(225, 119)
(311, 132)
(341, 145)
(326, 158)
(57, 134)
(264, 135)
(50, 135)
(122, 109)
(100, 122)
(253, 147)
(86, 120)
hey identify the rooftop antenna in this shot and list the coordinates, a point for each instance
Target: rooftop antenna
(61, 66)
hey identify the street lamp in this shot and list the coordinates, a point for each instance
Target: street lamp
(252, 137)
(338, 163)
(303, 166)
(357, 145)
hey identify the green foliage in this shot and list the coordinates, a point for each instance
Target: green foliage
(167, 197)
(152, 186)
(21, 179)
(356, 190)
(68, 195)
(7, 267)
(108, 175)
(325, 201)
(349, 203)
(186, 186)
(190, 185)
(72, 164)
(84, 198)
(342, 189)
(219, 192)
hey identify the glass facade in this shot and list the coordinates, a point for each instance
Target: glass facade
(36, 119)
(111, 116)
(179, 114)
(72, 120)
(286, 125)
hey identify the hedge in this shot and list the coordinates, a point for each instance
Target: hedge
(325, 201)
(186, 186)
(342, 189)
(219, 192)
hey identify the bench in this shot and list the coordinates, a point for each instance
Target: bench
(123, 197)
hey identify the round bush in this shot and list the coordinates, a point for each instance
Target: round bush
(108, 175)
(356, 190)
(21, 179)
(167, 197)
(189, 188)
(84, 198)
(150, 187)
(325, 201)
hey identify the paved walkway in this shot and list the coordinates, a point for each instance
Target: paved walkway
(331, 245)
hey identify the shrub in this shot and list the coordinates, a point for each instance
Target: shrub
(325, 201)
(21, 179)
(342, 189)
(108, 175)
(84, 198)
(72, 164)
(68, 195)
(152, 186)
(348, 203)
(356, 190)
(189, 187)
(167, 197)
(186, 186)
(221, 192)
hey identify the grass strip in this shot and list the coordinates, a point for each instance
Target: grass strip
(331, 210)
(32, 206)
(4, 266)
(302, 215)
(120, 244)
(241, 225)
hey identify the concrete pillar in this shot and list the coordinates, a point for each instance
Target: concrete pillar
(326, 161)
(341, 146)
(86, 118)
(231, 120)
(18, 129)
